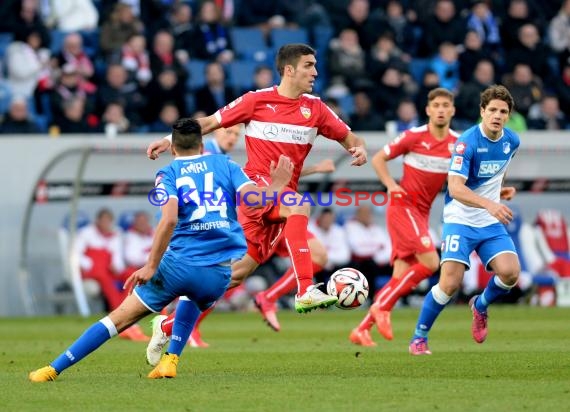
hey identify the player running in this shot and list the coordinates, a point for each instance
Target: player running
(426, 150)
(475, 219)
(202, 239)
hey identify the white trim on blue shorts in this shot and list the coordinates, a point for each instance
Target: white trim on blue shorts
(487, 268)
(455, 260)
(143, 302)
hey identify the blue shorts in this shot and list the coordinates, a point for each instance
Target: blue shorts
(458, 241)
(201, 284)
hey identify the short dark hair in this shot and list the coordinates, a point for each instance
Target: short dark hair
(186, 134)
(290, 54)
(497, 92)
(440, 92)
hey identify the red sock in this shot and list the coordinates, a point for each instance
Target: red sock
(167, 323)
(367, 322)
(396, 288)
(286, 284)
(296, 240)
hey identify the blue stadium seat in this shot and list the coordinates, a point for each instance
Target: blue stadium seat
(418, 67)
(249, 44)
(5, 97)
(196, 74)
(125, 219)
(90, 42)
(346, 103)
(280, 37)
(83, 220)
(57, 37)
(241, 74)
(5, 40)
(322, 35)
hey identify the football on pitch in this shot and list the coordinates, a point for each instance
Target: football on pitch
(350, 286)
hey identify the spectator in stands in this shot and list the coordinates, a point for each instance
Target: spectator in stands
(212, 41)
(73, 15)
(531, 52)
(166, 87)
(167, 116)
(17, 120)
(365, 118)
(73, 54)
(446, 65)
(262, 78)
(118, 28)
(519, 13)
(69, 87)
(215, 93)
(430, 80)
(383, 54)
(359, 19)
(162, 57)
(137, 242)
(445, 25)
(28, 20)
(134, 58)
(407, 115)
(559, 33)
(482, 21)
(516, 122)
(333, 238)
(114, 120)
(369, 246)
(562, 87)
(117, 89)
(334, 105)
(346, 59)
(547, 115)
(469, 96)
(182, 29)
(471, 55)
(389, 93)
(98, 247)
(307, 13)
(401, 28)
(27, 62)
(75, 119)
(525, 87)
(264, 14)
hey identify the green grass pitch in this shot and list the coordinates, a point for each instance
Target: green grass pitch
(308, 366)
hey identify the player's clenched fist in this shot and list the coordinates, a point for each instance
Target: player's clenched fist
(359, 155)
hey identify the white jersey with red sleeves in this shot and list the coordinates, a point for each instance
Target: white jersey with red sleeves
(276, 125)
(426, 162)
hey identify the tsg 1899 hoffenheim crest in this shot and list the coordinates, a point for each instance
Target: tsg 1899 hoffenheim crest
(506, 147)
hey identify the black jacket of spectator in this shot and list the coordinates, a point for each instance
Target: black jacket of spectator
(206, 102)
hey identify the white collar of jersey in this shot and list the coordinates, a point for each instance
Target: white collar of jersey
(188, 157)
(486, 137)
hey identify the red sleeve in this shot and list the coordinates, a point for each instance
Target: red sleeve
(330, 125)
(401, 144)
(238, 111)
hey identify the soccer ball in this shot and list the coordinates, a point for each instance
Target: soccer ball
(350, 286)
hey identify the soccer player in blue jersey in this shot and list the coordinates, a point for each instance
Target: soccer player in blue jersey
(475, 219)
(196, 240)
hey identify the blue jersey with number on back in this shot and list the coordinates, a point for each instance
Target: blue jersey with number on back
(483, 162)
(207, 232)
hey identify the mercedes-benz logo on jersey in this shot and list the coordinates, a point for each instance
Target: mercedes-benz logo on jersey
(270, 131)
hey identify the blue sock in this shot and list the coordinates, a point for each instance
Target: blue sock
(494, 290)
(92, 338)
(186, 315)
(434, 303)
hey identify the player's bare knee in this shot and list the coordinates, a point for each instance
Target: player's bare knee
(510, 277)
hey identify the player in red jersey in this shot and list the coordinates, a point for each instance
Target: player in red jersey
(283, 119)
(427, 150)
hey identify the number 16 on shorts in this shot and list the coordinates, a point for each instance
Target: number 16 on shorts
(454, 246)
(450, 243)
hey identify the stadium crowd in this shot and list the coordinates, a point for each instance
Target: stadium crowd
(92, 66)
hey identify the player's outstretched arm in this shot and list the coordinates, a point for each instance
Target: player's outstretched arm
(324, 166)
(460, 192)
(281, 173)
(356, 147)
(380, 165)
(207, 124)
(160, 242)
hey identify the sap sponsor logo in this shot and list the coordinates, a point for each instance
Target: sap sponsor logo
(490, 168)
(482, 150)
(460, 148)
(457, 163)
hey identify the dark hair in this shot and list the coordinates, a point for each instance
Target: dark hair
(186, 134)
(497, 92)
(440, 92)
(290, 55)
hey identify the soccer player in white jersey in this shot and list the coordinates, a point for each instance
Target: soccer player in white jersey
(282, 119)
(474, 217)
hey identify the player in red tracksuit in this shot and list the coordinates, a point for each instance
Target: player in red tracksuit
(426, 150)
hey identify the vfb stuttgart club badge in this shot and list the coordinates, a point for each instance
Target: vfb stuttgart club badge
(306, 112)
